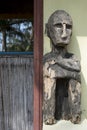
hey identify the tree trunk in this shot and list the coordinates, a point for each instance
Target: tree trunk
(4, 40)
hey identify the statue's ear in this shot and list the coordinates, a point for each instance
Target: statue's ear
(47, 29)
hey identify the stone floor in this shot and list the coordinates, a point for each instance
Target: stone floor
(66, 125)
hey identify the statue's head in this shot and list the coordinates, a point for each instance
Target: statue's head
(59, 28)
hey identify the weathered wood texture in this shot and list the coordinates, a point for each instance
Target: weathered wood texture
(16, 93)
(62, 88)
(61, 73)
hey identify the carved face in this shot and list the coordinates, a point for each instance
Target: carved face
(59, 28)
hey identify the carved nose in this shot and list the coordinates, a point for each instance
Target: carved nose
(64, 35)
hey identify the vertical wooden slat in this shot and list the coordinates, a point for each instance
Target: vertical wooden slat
(16, 93)
(38, 54)
(1, 104)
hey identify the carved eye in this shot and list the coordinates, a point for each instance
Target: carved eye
(68, 26)
(58, 25)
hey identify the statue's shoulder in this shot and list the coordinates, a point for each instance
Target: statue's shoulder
(71, 56)
(46, 57)
(49, 57)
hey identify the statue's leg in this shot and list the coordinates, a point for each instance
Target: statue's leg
(75, 100)
(49, 101)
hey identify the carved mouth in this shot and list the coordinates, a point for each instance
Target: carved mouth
(62, 43)
(64, 38)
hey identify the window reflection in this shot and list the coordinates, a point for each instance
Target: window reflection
(16, 35)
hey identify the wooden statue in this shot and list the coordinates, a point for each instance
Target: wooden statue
(61, 73)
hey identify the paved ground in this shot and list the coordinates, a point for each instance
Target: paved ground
(66, 125)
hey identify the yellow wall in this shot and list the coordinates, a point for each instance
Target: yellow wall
(78, 11)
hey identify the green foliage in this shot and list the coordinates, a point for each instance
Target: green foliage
(18, 34)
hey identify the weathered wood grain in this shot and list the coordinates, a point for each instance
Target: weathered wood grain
(61, 88)
(16, 93)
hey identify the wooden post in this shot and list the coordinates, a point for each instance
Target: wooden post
(38, 54)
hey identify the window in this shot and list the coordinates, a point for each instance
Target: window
(16, 26)
(16, 35)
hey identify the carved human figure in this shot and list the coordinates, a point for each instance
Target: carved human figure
(61, 73)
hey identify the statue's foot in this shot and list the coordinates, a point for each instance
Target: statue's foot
(76, 120)
(50, 121)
